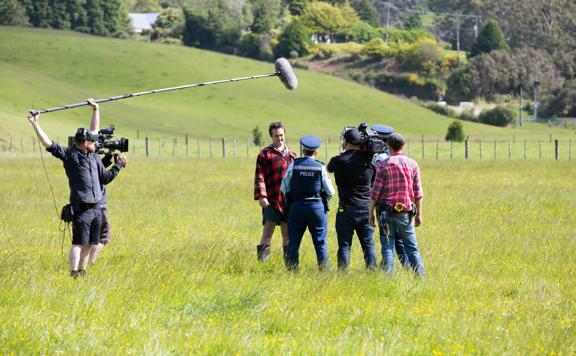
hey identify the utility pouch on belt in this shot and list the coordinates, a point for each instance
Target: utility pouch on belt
(67, 213)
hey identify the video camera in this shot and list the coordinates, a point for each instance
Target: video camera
(370, 142)
(105, 140)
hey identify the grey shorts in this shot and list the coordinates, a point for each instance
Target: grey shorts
(105, 230)
(270, 214)
(86, 227)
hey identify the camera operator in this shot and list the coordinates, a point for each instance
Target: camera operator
(105, 235)
(85, 174)
(353, 171)
(383, 131)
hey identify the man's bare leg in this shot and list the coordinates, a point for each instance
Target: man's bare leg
(95, 251)
(263, 250)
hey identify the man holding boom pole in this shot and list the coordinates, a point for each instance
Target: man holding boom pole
(86, 174)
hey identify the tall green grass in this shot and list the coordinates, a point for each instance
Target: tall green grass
(181, 274)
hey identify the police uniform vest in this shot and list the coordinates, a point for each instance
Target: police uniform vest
(306, 181)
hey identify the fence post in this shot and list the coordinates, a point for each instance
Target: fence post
(34, 145)
(234, 146)
(494, 149)
(211, 147)
(174, 143)
(247, 149)
(326, 148)
(556, 149)
(550, 138)
(540, 148)
(223, 147)
(147, 147)
(137, 134)
(409, 148)
(480, 147)
(451, 149)
(10, 146)
(525, 149)
(198, 146)
(159, 146)
(21, 145)
(466, 150)
(510, 149)
(186, 143)
(570, 150)
(437, 148)
(422, 140)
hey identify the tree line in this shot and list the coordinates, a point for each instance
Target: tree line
(107, 18)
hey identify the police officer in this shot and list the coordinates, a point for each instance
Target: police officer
(383, 131)
(353, 171)
(85, 175)
(307, 188)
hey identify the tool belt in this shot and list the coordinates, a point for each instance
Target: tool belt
(397, 208)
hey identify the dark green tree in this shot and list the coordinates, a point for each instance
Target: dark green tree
(38, 12)
(367, 11)
(60, 16)
(266, 14)
(78, 15)
(257, 136)
(455, 132)
(95, 18)
(116, 19)
(170, 24)
(213, 25)
(414, 20)
(294, 40)
(489, 39)
(12, 13)
(297, 7)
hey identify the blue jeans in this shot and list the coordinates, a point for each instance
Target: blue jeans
(347, 221)
(309, 215)
(400, 228)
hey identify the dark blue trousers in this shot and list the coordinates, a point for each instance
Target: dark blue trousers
(348, 220)
(309, 215)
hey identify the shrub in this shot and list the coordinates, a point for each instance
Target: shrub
(468, 115)
(406, 84)
(455, 132)
(295, 38)
(442, 110)
(499, 116)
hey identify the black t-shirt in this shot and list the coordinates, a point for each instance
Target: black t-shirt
(353, 171)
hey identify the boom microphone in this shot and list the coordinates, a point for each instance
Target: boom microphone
(283, 70)
(286, 74)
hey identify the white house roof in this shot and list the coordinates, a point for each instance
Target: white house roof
(142, 21)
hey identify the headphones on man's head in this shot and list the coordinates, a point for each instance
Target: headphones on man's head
(81, 134)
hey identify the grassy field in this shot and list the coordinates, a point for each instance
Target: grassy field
(181, 275)
(44, 68)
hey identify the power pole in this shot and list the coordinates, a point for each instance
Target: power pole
(387, 22)
(458, 37)
(520, 109)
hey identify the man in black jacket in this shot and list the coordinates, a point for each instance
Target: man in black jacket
(353, 171)
(86, 174)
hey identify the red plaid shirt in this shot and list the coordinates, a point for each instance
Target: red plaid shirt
(397, 181)
(271, 166)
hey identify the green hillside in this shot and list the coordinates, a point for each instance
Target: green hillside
(45, 68)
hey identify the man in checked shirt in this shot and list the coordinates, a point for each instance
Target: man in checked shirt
(397, 198)
(271, 166)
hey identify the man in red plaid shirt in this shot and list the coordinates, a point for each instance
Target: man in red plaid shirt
(397, 198)
(271, 166)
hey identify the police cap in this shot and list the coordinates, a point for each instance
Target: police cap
(310, 143)
(383, 130)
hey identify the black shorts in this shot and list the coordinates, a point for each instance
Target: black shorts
(86, 227)
(105, 229)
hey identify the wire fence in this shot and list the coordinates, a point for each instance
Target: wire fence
(427, 148)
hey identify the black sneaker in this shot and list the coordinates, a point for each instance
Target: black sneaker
(74, 274)
(82, 273)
